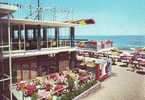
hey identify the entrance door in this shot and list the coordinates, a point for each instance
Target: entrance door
(25, 71)
(22, 72)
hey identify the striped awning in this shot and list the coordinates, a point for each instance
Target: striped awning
(82, 21)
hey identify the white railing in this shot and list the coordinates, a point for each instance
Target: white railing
(36, 52)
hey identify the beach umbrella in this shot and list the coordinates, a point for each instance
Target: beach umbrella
(115, 53)
(139, 50)
(126, 55)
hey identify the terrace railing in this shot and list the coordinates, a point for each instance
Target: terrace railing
(33, 45)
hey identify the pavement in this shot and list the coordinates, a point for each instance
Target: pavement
(122, 85)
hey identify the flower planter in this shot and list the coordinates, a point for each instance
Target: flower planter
(89, 91)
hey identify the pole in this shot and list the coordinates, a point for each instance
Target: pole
(38, 9)
(10, 59)
(72, 36)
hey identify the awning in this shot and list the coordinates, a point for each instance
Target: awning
(38, 22)
(82, 21)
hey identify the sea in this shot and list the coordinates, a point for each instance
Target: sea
(121, 42)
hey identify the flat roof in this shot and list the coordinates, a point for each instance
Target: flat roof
(38, 22)
(6, 9)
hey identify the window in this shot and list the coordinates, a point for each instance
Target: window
(64, 37)
(51, 33)
(15, 34)
(22, 34)
(30, 34)
(64, 33)
(41, 33)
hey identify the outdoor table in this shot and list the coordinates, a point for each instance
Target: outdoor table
(142, 63)
(137, 65)
(126, 59)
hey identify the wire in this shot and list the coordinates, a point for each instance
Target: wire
(29, 11)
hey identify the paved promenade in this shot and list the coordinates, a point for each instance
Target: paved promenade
(122, 85)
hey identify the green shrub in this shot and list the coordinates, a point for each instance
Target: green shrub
(34, 96)
(74, 93)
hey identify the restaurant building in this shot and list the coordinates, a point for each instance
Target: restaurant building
(30, 48)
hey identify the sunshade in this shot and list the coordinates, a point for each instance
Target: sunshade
(82, 21)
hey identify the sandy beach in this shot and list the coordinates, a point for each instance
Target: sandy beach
(122, 85)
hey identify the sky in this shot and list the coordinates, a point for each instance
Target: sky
(113, 17)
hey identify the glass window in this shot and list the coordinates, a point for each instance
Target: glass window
(15, 34)
(22, 34)
(51, 33)
(64, 37)
(64, 33)
(30, 34)
(41, 33)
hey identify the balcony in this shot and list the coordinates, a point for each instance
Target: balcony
(36, 52)
(32, 38)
